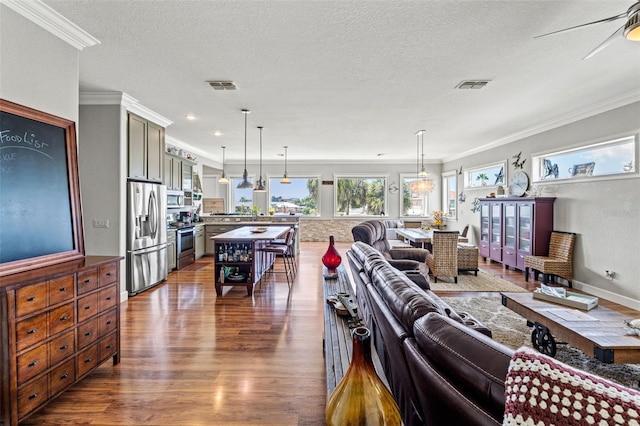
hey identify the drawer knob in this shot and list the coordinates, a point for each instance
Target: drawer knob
(64, 318)
(88, 333)
(33, 396)
(108, 274)
(88, 360)
(109, 298)
(32, 331)
(33, 363)
(87, 281)
(108, 322)
(62, 289)
(109, 346)
(63, 347)
(64, 376)
(31, 299)
(88, 307)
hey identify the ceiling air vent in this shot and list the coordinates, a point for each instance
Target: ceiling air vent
(472, 84)
(222, 85)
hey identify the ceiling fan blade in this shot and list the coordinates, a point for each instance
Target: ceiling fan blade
(610, 19)
(605, 43)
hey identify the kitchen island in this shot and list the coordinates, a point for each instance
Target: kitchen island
(237, 259)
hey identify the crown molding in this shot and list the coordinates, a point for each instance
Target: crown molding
(44, 16)
(122, 99)
(572, 117)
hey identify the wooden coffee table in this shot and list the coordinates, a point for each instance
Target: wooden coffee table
(599, 332)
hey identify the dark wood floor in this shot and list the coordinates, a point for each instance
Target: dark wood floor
(190, 358)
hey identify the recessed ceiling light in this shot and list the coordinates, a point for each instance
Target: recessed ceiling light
(217, 133)
(190, 117)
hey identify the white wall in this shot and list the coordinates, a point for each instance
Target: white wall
(37, 69)
(605, 213)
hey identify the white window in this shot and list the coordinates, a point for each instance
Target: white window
(360, 195)
(615, 157)
(450, 194)
(300, 196)
(415, 200)
(242, 198)
(489, 175)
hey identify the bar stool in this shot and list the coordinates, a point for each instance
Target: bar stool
(283, 251)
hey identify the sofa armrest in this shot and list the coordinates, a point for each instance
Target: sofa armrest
(417, 254)
(404, 264)
(471, 322)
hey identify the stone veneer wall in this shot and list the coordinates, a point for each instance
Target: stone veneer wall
(321, 229)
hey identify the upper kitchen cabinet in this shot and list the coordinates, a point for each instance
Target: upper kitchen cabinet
(146, 149)
(178, 173)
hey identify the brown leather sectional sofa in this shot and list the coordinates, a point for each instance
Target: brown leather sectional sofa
(442, 366)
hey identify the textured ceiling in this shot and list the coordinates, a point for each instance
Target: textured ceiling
(349, 80)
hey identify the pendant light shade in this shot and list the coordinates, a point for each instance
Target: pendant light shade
(285, 179)
(260, 183)
(223, 179)
(245, 184)
(424, 183)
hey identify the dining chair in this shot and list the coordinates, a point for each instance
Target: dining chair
(559, 262)
(443, 258)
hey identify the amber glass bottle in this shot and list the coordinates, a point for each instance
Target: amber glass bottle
(361, 398)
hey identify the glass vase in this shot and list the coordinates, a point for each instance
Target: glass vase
(331, 259)
(361, 398)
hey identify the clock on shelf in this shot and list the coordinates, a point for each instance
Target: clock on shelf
(518, 184)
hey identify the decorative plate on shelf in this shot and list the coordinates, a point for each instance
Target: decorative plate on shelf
(237, 277)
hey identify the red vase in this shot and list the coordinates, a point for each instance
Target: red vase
(331, 258)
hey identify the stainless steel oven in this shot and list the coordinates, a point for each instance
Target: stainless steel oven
(186, 244)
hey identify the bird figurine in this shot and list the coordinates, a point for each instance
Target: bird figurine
(633, 327)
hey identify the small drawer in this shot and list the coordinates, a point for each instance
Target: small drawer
(86, 360)
(31, 299)
(62, 377)
(107, 347)
(87, 333)
(108, 274)
(62, 347)
(107, 297)
(61, 289)
(31, 331)
(107, 323)
(31, 396)
(87, 280)
(32, 363)
(87, 307)
(61, 318)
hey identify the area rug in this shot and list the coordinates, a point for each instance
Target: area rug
(469, 282)
(511, 330)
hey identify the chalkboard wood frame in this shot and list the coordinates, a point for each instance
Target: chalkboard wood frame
(32, 222)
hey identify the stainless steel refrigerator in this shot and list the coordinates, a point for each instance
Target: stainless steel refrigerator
(146, 235)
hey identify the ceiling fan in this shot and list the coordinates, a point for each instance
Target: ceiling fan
(630, 30)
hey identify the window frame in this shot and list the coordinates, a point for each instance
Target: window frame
(474, 171)
(373, 176)
(446, 194)
(426, 199)
(232, 192)
(293, 177)
(537, 161)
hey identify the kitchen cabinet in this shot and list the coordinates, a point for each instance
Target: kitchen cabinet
(145, 149)
(513, 228)
(178, 173)
(212, 231)
(59, 323)
(171, 249)
(199, 245)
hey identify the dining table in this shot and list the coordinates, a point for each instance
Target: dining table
(418, 237)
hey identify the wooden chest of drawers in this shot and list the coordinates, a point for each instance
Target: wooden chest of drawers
(58, 323)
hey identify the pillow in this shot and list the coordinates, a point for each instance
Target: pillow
(542, 391)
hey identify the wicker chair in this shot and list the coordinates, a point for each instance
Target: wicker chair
(559, 263)
(463, 235)
(443, 261)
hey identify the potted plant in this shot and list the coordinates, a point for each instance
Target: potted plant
(483, 178)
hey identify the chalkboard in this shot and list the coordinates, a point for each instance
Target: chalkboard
(40, 219)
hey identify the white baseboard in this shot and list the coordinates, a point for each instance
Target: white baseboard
(608, 295)
(124, 296)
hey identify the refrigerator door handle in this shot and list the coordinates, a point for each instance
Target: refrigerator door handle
(151, 249)
(153, 214)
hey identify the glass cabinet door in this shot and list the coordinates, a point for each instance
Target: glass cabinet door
(510, 226)
(525, 222)
(484, 222)
(496, 224)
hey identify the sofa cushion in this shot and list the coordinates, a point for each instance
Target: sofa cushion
(470, 361)
(541, 390)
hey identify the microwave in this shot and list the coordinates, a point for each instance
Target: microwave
(175, 198)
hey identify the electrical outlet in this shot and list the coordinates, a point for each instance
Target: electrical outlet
(98, 223)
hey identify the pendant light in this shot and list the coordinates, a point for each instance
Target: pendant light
(423, 183)
(260, 183)
(245, 184)
(285, 179)
(223, 179)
